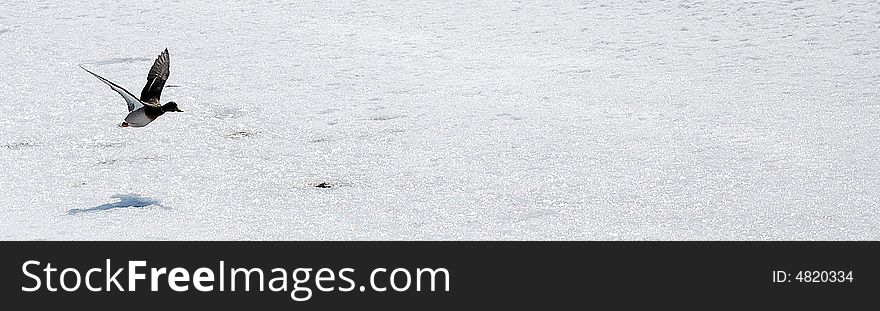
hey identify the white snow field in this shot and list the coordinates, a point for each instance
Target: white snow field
(444, 120)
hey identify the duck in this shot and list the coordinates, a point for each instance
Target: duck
(143, 110)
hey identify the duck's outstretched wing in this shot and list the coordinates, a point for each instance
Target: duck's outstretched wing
(133, 102)
(156, 80)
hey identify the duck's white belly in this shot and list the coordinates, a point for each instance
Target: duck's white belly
(138, 118)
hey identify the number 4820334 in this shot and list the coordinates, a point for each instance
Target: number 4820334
(815, 276)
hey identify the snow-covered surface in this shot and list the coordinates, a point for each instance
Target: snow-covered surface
(593, 120)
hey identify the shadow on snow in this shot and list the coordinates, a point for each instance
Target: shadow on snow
(125, 201)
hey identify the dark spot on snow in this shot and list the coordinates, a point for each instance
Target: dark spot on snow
(125, 201)
(4, 30)
(324, 185)
(241, 134)
(19, 145)
(319, 140)
(106, 162)
(326, 111)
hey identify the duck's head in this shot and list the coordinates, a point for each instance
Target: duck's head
(171, 106)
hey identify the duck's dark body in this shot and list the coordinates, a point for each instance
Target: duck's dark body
(153, 112)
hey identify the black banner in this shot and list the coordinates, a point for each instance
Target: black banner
(432, 275)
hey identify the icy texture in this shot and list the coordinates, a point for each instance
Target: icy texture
(596, 120)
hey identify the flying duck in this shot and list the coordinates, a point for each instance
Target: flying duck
(146, 109)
